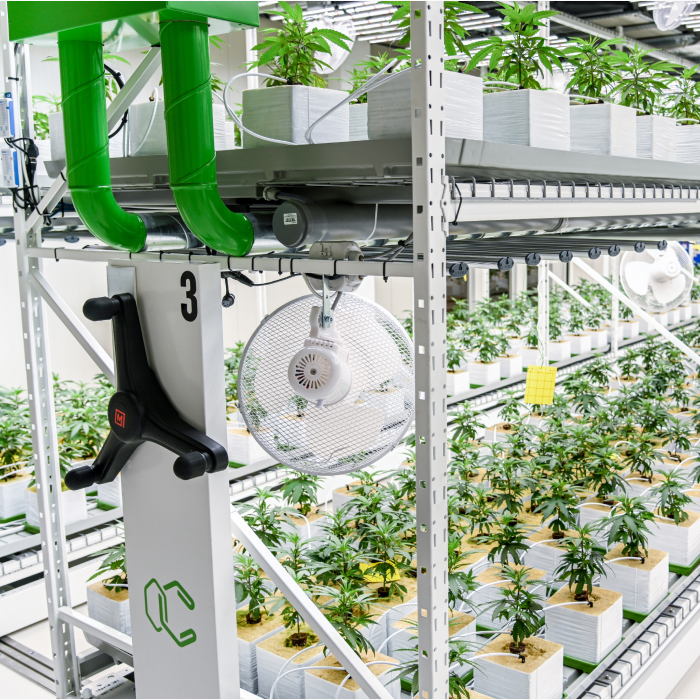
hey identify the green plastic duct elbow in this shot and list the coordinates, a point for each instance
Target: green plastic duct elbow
(87, 142)
(189, 127)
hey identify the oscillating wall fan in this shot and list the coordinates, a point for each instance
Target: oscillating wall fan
(328, 400)
(657, 280)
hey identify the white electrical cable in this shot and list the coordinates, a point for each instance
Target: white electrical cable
(150, 124)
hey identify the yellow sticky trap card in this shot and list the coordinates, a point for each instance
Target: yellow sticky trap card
(376, 578)
(539, 388)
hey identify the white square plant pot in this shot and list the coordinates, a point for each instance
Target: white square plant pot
(559, 350)
(484, 373)
(541, 676)
(586, 633)
(272, 656)
(324, 684)
(695, 307)
(403, 638)
(343, 494)
(109, 495)
(630, 329)
(308, 526)
(389, 113)
(109, 608)
(536, 118)
(645, 327)
(674, 317)
(606, 129)
(145, 141)
(485, 595)
(643, 585)
(73, 503)
(686, 311)
(358, 122)
(543, 551)
(682, 542)
(511, 365)
(609, 332)
(592, 512)
(12, 498)
(531, 356)
(514, 344)
(287, 111)
(249, 636)
(688, 143)
(391, 611)
(580, 344)
(656, 137)
(243, 448)
(458, 382)
(599, 338)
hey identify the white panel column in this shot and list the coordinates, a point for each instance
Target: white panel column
(517, 280)
(478, 286)
(543, 313)
(430, 195)
(178, 533)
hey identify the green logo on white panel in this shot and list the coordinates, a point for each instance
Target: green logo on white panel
(159, 618)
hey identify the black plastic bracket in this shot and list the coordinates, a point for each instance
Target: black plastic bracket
(139, 410)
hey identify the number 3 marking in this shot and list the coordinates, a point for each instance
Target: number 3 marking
(189, 314)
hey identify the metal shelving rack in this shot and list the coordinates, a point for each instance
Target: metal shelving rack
(442, 180)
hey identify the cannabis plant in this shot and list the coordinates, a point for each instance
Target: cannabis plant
(683, 104)
(250, 585)
(15, 428)
(301, 490)
(521, 54)
(466, 422)
(339, 559)
(582, 561)
(670, 496)
(628, 526)
(383, 545)
(266, 519)
(512, 408)
(461, 583)
(291, 53)
(603, 475)
(291, 617)
(453, 32)
(347, 608)
(641, 83)
(519, 606)
(364, 71)
(678, 434)
(559, 502)
(454, 355)
(509, 539)
(593, 68)
(114, 564)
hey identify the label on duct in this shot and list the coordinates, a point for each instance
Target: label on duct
(290, 219)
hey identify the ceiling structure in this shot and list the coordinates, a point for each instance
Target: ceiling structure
(604, 18)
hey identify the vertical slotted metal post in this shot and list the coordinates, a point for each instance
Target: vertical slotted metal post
(430, 194)
(543, 312)
(615, 321)
(41, 400)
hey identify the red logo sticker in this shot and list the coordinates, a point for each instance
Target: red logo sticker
(119, 417)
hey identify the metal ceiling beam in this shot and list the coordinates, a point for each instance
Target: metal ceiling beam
(594, 29)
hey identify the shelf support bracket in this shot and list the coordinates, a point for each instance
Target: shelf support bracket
(74, 325)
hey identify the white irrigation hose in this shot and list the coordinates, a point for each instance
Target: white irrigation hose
(372, 83)
(290, 659)
(371, 663)
(150, 124)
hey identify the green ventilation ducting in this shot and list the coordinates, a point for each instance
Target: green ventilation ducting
(87, 142)
(190, 135)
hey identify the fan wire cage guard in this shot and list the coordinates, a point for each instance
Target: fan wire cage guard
(345, 436)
